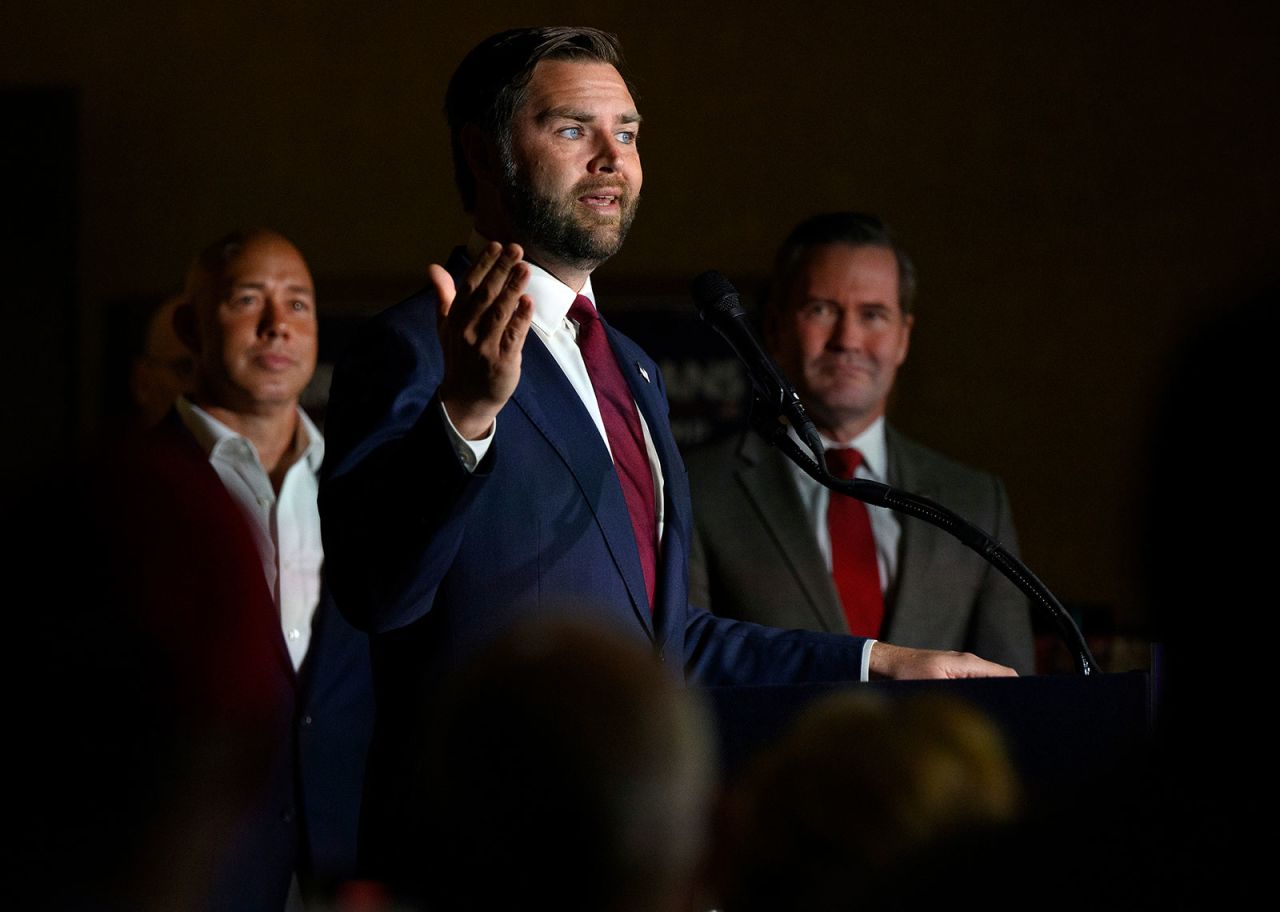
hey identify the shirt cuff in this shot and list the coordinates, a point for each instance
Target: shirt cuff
(470, 452)
(864, 669)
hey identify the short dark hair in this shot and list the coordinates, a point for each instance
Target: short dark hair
(489, 85)
(856, 229)
(568, 752)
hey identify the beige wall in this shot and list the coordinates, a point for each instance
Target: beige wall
(1079, 184)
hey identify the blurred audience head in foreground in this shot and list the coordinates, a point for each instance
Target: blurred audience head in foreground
(858, 787)
(569, 771)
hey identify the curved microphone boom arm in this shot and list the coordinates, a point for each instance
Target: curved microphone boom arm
(926, 510)
(776, 407)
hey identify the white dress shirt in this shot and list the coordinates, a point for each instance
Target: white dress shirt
(286, 527)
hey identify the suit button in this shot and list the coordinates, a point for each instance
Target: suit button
(306, 721)
(287, 815)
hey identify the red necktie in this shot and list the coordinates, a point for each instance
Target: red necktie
(853, 551)
(626, 439)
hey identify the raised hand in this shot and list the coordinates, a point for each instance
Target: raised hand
(482, 322)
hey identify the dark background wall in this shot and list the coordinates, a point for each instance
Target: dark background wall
(1082, 186)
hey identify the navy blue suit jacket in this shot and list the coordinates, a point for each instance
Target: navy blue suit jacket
(434, 561)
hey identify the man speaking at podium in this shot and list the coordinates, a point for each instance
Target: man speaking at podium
(496, 451)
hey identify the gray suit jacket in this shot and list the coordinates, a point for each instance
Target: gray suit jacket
(754, 556)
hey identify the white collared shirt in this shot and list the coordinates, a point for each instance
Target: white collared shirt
(885, 528)
(286, 527)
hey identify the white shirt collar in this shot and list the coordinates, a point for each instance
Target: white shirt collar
(214, 437)
(871, 444)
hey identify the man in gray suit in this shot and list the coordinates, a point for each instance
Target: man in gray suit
(771, 546)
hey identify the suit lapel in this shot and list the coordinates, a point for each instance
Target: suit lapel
(917, 546)
(573, 435)
(763, 474)
(569, 430)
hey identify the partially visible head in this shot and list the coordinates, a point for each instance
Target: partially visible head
(855, 789)
(164, 369)
(543, 128)
(250, 318)
(838, 317)
(571, 760)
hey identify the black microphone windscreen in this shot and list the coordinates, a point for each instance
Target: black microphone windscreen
(713, 290)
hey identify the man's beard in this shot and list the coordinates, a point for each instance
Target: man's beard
(554, 228)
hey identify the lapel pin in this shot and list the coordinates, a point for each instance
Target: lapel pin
(643, 373)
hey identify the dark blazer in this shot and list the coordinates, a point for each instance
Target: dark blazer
(307, 814)
(755, 557)
(434, 561)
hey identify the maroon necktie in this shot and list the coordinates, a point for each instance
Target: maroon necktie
(853, 551)
(626, 439)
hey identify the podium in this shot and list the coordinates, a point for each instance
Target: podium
(1062, 731)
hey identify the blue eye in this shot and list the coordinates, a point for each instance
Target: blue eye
(571, 132)
(626, 137)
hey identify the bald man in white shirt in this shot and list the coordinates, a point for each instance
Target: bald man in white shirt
(250, 318)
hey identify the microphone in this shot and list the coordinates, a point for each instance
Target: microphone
(718, 303)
